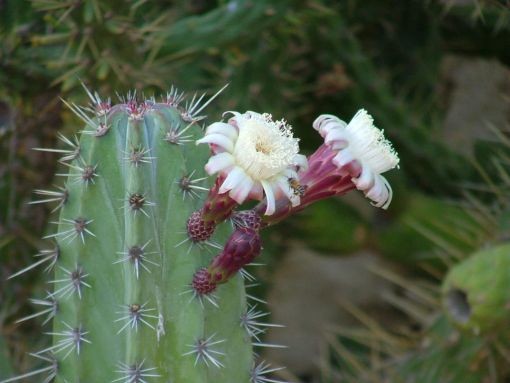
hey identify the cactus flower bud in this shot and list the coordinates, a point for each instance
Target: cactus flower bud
(241, 248)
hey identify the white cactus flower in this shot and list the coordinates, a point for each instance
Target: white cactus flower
(360, 140)
(257, 156)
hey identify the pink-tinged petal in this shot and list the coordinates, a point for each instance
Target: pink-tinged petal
(327, 122)
(242, 190)
(342, 158)
(237, 120)
(219, 140)
(219, 162)
(381, 193)
(339, 144)
(389, 196)
(222, 128)
(322, 120)
(280, 187)
(257, 192)
(215, 149)
(335, 135)
(301, 162)
(366, 180)
(270, 200)
(234, 178)
(353, 169)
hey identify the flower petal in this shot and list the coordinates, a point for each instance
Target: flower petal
(270, 200)
(253, 114)
(380, 193)
(219, 140)
(219, 162)
(366, 179)
(326, 122)
(342, 158)
(242, 190)
(234, 178)
(301, 162)
(334, 136)
(222, 128)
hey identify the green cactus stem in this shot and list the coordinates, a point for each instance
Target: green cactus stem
(476, 292)
(123, 306)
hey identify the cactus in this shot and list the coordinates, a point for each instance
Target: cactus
(137, 294)
(475, 292)
(122, 305)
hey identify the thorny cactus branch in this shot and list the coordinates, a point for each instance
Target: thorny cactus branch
(122, 303)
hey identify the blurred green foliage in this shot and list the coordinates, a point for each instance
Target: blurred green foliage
(443, 356)
(5, 363)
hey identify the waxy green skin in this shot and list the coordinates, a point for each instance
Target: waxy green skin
(483, 280)
(181, 319)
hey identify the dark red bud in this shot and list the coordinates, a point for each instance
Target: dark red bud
(198, 229)
(241, 248)
(203, 282)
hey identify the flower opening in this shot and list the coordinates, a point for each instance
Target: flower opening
(256, 156)
(361, 141)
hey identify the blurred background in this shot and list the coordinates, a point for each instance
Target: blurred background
(365, 294)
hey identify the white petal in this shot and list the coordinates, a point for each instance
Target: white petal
(270, 200)
(342, 158)
(335, 135)
(218, 139)
(290, 173)
(234, 178)
(381, 193)
(390, 193)
(219, 162)
(366, 180)
(222, 128)
(326, 122)
(242, 190)
(301, 162)
(238, 119)
(360, 119)
(252, 114)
